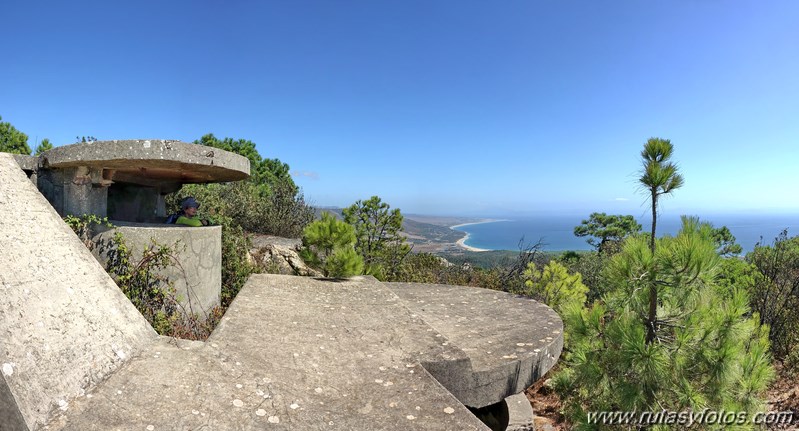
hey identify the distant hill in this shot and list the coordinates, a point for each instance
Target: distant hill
(426, 233)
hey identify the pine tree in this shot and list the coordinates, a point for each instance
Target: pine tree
(12, 140)
(607, 231)
(708, 351)
(659, 176)
(43, 146)
(329, 244)
(555, 286)
(379, 238)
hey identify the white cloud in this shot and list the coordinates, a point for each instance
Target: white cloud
(621, 199)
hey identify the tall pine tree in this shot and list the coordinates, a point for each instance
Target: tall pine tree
(708, 351)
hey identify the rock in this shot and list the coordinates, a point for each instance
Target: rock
(278, 255)
(445, 262)
(544, 424)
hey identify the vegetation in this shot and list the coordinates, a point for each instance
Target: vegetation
(15, 142)
(12, 140)
(378, 236)
(43, 146)
(677, 323)
(263, 172)
(775, 290)
(276, 211)
(268, 203)
(429, 268)
(329, 245)
(236, 266)
(555, 286)
(591, 267)
(82, 226)
(607, 231)
(143, 281)
(707, 350)
(725, 242)
(659, 177)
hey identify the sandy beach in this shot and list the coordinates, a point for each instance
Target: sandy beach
(462, 242)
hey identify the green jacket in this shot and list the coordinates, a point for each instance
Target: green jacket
(186, 221)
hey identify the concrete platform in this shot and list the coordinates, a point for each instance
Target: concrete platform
(300, 353)
(511, 341)
(292, 353)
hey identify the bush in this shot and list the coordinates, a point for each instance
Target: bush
(591, 267)
(236, 266)
(422, 268)
(286, 213)
(775, 290)
(329, 245)
(554, 286)
(708, 352)
(378, 236)
(274, 211)
(82, 226)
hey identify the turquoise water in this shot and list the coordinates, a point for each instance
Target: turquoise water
(557, 232)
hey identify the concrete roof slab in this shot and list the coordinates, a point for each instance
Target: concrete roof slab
(147, 160)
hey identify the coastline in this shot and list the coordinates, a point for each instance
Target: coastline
(462, 242)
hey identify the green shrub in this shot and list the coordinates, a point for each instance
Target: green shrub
(554, 286)
(775, 290)
(82, 226)
(422, 268)
(271, 211)
(591, 267)
(286, 213)
(707, 352)
(378, 236)
(236, 266)
(343, 262)
(329, 245)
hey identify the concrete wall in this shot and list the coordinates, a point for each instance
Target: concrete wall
(198, 279)
(64, 324)
(74, 191)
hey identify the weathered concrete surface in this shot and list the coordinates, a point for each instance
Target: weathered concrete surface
(64, 324)
(520, 413)
(291, 353)
(197, 272)
(150, 161)
(511, 341)
(27, 163)
(73, 191)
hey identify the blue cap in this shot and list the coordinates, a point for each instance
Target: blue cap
(189, 202)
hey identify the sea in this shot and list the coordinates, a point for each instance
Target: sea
(557, 232)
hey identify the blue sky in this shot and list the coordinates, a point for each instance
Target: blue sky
(439, 107)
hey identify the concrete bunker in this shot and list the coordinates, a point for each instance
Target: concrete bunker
(127, 181)
(290, 353)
